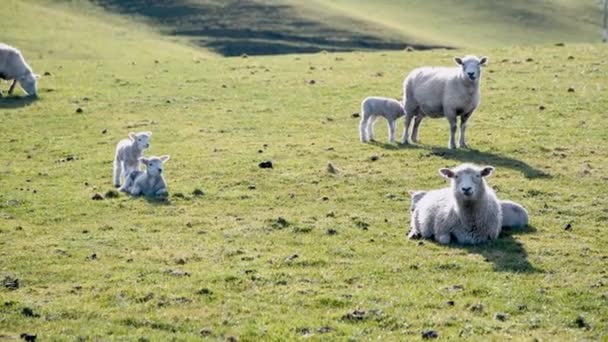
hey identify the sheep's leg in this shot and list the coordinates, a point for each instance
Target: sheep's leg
(463, 127)
(10, 90)
(117, 173)
(406, 129)
(391, 131)
(370, 127)
(135, 190)
(417, 121)
(363, 128)
(453, 125)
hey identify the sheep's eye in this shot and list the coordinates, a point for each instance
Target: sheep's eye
(477, 176)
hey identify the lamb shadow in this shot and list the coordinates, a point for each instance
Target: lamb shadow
(496, 160)
(13, 102)
(157, 201)
(506, 253)
(386, 146)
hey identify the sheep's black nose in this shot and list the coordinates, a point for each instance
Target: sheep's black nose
(471, 74)
(160, 170)
(467, 190)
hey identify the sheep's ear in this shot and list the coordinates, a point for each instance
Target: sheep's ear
(148, 133)
(487, 171)
(132, 136)
(483, 61)
(164, 158)
(144, 160)
(458, 60)
(446, 173)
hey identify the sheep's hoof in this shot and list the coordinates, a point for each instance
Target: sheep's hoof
(414, 235)
(117, 186)
(463, 145)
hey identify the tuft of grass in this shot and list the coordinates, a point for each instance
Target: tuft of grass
(213, 266)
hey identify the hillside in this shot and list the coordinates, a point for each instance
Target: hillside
(264, 27)
(291, 252)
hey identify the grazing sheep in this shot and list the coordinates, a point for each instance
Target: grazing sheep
(443, 92)
(371, 108)
(468, 211)
(514, 215)
(13, 67)
(128, 152)
(150, 183)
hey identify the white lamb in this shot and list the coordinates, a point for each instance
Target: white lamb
(13, 67)
(128, 152)
(468, 211)
(443, 92)
(373, 107)
(514, 215)
(150, 183)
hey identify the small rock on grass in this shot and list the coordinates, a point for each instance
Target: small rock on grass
(28, 337)
(331, 168)
(265, 165)
(567, 226)
(355, 315)
(97, 197)
(429, 334)
(10, 282)
(499, 316)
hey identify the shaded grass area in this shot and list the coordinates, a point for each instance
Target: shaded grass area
(254, 27)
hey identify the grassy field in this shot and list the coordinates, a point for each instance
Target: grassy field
(291, 252)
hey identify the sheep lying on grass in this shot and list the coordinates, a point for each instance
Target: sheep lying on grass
(468, 211)
(128, 152)
(514, 215)
(374, 107)
(150, 183)
(13, 67)
(443, 92)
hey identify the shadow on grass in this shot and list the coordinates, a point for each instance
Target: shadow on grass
(474, 156)
(254, 27)
(12, 102)
(506, 253)
(496, 160)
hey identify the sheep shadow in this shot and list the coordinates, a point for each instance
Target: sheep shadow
(506, 253)
(13, 102)
(496, 160)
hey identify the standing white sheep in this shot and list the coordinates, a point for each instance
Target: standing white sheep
(443, 92)
(468, 211)
(13, 67)
(128, 152)
(373, 107)
(150, 183)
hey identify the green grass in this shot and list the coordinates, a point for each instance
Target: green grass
(223, 261)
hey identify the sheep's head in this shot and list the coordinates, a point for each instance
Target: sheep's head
(28, 83)
(154, 165)
(141, 139)
(471, 66)
(467, 180)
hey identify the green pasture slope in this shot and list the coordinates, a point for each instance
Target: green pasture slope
(291, 252)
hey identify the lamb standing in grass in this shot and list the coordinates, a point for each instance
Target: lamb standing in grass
(373, 107)
(128, 152)
(150, 183)
(443, 92)
(13, 67)
(468, 210)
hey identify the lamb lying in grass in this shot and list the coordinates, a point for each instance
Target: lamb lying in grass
(150, 183)
(128, 152)
(514, 215)
(374, 107)
(467, 212)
